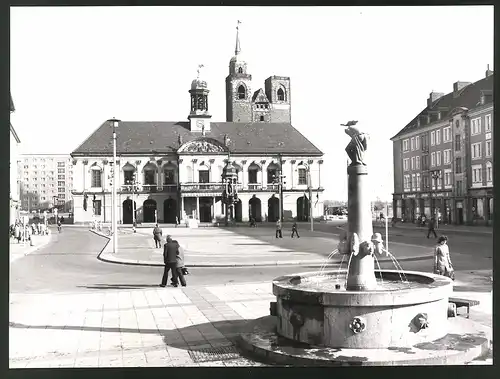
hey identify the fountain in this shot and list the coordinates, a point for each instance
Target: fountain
(362, 316)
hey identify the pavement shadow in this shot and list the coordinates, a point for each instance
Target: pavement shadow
(118, 286)
(188, 338)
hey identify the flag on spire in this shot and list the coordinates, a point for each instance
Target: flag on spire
(237, 50)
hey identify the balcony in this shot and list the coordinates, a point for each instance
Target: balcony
(148, 188)
(202, 187)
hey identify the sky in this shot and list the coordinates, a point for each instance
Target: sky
(74, 67)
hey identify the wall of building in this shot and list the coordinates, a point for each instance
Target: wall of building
(13, 178)
(238, 110)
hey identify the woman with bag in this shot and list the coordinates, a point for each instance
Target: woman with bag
(442, 261)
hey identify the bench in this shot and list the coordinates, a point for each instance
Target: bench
(459, 302)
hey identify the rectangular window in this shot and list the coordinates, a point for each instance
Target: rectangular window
(425, 143)
(60, 177)
(60, 184)
(61, 189)
(433, 138)
(418, 182)
(417, 143)
(413, 163)
(458, 142)
(60, 164)
(477, 175)
(433, 159)
(458, 165)
(61, 196)
(128, 176)
(487, 123)
(489, 173)
(476, 150)
(439, 183)
(447, 134)
(95, 180)
(438, 137)
(252, 176)
(97, 207)
(203, 176)
(271, 175)
(447, 156)
(438, 158)
(417, 163)
(169, 177)
(488, 148)
(476, 126)
(405, 145)
(149, 177)
(302, 176)
(459, 187)
(412, 143)
(405, 164)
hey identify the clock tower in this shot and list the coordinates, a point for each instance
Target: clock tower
(199, 118)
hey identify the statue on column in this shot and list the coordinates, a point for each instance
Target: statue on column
(357, 146)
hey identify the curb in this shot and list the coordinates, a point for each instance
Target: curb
(109, 258)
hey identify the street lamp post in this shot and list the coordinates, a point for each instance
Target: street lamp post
(114, 123)
(279, 180)
(230, 192)
(435, 174)
(309, 188)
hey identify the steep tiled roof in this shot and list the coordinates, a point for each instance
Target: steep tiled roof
(469, 97)
(260, 96)
(146, 137)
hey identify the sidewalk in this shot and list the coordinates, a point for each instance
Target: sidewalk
(237, 247)
(441, 227)
(163, 327)
(19, 250)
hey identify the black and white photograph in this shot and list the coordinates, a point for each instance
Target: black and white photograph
(251, 186)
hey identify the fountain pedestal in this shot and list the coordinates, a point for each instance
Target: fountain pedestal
(361, 274)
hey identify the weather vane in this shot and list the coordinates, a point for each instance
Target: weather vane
(199, 68)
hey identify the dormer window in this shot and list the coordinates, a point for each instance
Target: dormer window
(281, 94)
(241, 92)
(240, 70)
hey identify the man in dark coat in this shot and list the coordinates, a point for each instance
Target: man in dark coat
(170, 252)
(180, 267)
(294, 230)
(432, 227)
(157, 236)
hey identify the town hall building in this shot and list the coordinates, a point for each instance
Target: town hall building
(172, 170)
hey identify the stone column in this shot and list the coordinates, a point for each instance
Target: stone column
(213, 208)
(361, 275)
(198, 208)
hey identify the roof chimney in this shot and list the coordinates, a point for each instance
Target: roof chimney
(180, 139)
(433, 97)
(458, 86)
(488, 71)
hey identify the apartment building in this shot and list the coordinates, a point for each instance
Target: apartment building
(14, 204)
(443, 159)
(46, 182)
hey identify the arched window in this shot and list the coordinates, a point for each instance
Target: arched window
(302, 176)
(489, 172)
(281, 94)
(242, 92)
(253, 169)
(149, 174)
(240, 71)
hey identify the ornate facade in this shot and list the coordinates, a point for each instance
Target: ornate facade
(172, 170)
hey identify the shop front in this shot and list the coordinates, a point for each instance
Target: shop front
(480, 206)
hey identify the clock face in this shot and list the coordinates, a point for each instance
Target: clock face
(199, 123)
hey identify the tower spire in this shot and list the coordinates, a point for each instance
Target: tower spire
(237, 50)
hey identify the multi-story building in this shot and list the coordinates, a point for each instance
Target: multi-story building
(169, 170)
(443, 159)
(46, 181)
(14, 207)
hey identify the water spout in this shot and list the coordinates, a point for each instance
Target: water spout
(330, 256)
(378, 265)
(398, 267)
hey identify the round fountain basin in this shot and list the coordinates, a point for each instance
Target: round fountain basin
(311, 308)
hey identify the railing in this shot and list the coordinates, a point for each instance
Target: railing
(202, 187)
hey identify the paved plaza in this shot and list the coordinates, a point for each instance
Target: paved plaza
(82, 324)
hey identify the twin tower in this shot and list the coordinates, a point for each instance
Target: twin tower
(271, 104)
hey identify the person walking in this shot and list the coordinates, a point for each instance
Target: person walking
(181, 268)
(157, 236)
(432, 227)
(442, 260)
(170, 252)
(294, 230)
(278, 229)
